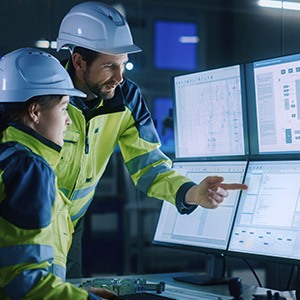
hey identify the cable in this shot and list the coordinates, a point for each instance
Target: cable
(290, 278)
(254, 273)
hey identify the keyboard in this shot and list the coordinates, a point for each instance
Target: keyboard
(143, 296)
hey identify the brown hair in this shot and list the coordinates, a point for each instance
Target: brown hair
(16, 112)
(89, 56)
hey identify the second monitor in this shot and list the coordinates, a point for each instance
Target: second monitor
(205, 230)
(209, 117)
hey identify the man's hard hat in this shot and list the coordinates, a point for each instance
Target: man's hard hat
(98, 27)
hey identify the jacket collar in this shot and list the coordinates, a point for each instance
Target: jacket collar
(35, 142)
(115, 104)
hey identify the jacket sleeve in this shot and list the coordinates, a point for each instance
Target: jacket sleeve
(150, 169)
(26, 238)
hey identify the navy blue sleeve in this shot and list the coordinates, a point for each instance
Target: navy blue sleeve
(182, 207)
(29, 193)
(136, 103)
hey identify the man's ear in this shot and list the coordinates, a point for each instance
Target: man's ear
(78, 62)
(34, 113)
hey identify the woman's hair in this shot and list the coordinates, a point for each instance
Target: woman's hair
(16, 112)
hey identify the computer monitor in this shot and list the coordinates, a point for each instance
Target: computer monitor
(204, 230)
(176, 45)
(210, 114)
(267, 224)
(273, 92)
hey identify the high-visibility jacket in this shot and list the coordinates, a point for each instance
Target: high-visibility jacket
(35, 225)
(91, 139)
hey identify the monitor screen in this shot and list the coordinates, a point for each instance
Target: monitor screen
(268, 217)
(176, 45)
(273, 90)
(204, 228)
(209, 118)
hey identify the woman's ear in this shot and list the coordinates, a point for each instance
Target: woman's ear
(34, 113)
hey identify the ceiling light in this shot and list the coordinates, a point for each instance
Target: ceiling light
(279, 4)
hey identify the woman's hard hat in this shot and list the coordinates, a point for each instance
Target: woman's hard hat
(29, 72)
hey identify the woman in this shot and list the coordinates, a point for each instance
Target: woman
(35, 227)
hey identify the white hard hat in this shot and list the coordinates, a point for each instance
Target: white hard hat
(28, 72)
(98, 27)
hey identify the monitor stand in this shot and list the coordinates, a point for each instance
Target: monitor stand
(216, 276)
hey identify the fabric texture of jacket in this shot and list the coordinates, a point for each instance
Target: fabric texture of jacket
(35, 225)
(91, 139)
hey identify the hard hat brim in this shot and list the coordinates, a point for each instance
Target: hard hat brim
(9, 96)
(121, 50)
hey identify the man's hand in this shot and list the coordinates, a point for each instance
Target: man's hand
(105, 294)
(210, 192)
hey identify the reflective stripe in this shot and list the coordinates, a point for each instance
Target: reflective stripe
(82, 211)
(58, 271)
(146, 180)
(78, 194)
(65, 192)
(145, 160)
(25, 253)
(21, 285)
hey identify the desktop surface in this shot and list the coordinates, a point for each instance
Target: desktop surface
(186, 291)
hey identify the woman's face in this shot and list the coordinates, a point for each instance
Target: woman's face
(53, 121)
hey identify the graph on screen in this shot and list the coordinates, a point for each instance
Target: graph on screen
(209, 114)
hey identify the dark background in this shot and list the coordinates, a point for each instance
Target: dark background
(120, 230)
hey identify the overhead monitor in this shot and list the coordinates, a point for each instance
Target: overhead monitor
(273, 90)
(210, 114)
(267, 224)
(204, 230)
(176, 45)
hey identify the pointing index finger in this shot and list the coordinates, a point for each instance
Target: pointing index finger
(233, 186)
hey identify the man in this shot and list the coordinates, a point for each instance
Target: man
(115, 112)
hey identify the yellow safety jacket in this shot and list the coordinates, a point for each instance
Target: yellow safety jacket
(35, 226)
(91, 139)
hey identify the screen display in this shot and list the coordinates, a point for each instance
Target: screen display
(209, 117)
(175, 45)
(274, 105)
(268, 216)
(205, 228)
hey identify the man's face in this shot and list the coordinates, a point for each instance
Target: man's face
(104, 75)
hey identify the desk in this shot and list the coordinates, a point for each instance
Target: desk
(188, 291)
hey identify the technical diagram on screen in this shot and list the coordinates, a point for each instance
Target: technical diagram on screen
(209, 115)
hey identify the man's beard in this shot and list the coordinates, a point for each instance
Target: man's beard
(96, 88)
